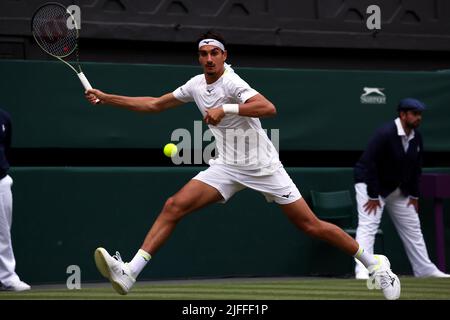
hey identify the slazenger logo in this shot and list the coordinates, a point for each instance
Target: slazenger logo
(373, 96)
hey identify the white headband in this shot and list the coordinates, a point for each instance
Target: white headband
(211, 42)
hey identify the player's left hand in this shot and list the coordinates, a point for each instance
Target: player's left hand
(214, 116)
(415, 203)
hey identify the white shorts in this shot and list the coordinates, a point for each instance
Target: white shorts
(277, 186)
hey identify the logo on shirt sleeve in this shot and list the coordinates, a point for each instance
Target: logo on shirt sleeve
(240, 93)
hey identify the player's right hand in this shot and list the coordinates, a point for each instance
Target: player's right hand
(95, 96)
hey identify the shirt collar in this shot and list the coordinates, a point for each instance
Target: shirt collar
(401, 131)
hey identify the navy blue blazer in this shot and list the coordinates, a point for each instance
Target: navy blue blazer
(385, 166)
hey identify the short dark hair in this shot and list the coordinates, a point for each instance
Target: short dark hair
(211, 34)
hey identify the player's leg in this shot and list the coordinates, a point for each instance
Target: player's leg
(379, 266)
(301, 215)
(209, 186)
(194, 195)
(406, 221)
(280, 188)
(367, 227)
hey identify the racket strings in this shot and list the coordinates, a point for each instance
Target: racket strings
(51, 32)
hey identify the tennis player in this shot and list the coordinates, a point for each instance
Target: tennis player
(228, 104)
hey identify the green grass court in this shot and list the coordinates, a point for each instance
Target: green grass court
(245, 289)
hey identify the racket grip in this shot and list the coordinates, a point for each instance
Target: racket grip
(85, 83)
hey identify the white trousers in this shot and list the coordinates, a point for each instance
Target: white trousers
(406, 222)
(7, 261)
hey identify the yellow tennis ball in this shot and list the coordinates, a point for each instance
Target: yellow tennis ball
(170, 150)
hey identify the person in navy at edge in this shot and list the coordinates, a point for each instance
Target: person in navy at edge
(387, 176)
(9, 280)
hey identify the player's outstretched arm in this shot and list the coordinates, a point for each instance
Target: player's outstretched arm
(139, 104)
(257, 106)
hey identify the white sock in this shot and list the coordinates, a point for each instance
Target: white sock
(139, 262)
(367, 259)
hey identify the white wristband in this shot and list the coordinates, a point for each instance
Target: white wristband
(232, 108)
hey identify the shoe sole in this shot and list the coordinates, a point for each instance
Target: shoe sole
(102, 266)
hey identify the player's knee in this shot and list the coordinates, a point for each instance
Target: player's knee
(173, 209)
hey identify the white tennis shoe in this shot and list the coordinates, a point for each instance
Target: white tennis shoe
(362, 275)
(384, 278)
(114, 269)
(15, 286)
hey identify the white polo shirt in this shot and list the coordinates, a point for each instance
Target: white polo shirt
(241, 141)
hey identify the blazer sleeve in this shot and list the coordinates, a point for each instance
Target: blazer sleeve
(373, 153)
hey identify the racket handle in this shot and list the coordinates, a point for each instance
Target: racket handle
(85, 83)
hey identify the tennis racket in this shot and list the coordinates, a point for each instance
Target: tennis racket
(55, 30)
